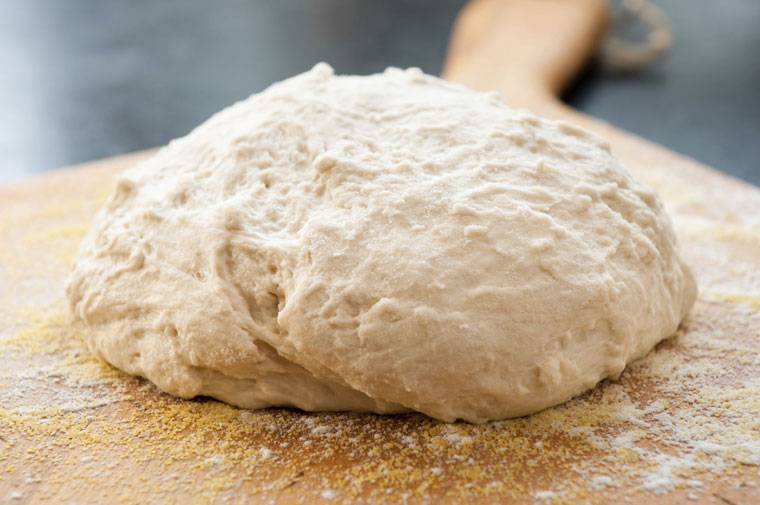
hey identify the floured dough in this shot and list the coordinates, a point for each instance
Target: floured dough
(384, 243)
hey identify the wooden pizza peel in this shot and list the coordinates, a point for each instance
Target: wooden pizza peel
(680, 426)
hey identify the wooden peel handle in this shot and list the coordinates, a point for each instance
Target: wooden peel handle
(528, 50)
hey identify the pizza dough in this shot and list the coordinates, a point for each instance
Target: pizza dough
(385, 243)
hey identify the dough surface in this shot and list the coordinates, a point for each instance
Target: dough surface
(383, 243)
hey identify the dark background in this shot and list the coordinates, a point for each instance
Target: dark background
(85, 79)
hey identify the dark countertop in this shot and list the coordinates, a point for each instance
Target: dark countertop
(85, 79)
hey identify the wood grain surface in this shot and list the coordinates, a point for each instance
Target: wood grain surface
(681, 425)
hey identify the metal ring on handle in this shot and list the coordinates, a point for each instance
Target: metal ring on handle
(620, 56)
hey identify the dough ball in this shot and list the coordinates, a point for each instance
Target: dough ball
(385, 243)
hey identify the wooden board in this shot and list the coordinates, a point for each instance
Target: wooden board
(681, 425)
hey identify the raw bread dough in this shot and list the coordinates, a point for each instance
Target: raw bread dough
(384, 243)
